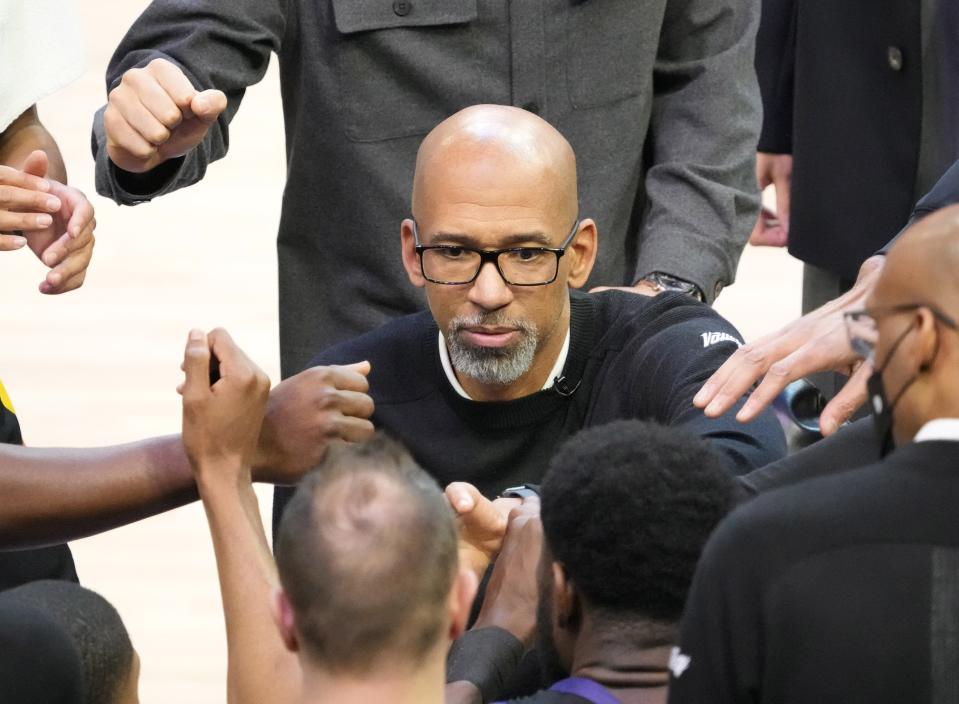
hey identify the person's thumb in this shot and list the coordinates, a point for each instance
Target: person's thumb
(461, 496)
(37, 163)
(196, 364)
(207, 105)
(359, 367)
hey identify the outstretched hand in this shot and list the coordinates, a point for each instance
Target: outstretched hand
(816, 342)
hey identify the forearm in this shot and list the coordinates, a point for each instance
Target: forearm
(701, 184)
(27, 134)
(55, 495)
(481, 663)
(219, 45)
(259, 666)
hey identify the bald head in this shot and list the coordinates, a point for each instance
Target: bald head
(483, 152)
(922, 266)
(916, 305)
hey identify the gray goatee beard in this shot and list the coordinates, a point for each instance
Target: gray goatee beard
(492, 365)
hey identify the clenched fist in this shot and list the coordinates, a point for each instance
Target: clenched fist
(156, 114)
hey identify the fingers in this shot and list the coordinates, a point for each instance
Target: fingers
(126, 147)
(528, 509)
(462, 496)
(155, 114)
(70, 258)
(351, 377)
(782, 181)
(22, 179)
(850, 397)
(9, 243)
(354, 429)
(207, 105)
(175, 87)
(196, 366)
(737, 373)
(22, 207)
(806, 360)
(234, 363)
(75, 208)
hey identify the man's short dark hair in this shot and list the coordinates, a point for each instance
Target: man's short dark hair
(627, 508)
(96, 629)
(367, 555)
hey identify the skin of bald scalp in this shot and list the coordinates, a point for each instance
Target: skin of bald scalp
(491, 177)
(920, 269)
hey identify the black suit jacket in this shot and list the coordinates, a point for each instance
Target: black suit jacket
(841, 83)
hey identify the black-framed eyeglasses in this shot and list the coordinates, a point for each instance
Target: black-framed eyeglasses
(455, 264)
(863, 332)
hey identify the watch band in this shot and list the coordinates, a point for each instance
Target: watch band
(523, 491)
(667, 282)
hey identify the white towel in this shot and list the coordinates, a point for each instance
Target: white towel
(41, 51)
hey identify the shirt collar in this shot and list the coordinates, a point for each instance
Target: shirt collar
(939, 429)
(454, 382)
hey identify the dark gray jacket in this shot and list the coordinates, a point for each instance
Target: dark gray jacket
(657, 97)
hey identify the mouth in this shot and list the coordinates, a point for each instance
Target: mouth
(489, 336)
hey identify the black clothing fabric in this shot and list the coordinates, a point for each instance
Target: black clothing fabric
(854, 445)
(945, 192)
(21, 566)
(859, 133)
(545, 696)
(39, 663)
(630, 356)
(487, 657)
(839, 589)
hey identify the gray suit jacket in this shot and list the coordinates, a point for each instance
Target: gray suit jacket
(658, 98)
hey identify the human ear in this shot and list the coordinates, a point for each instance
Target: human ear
(461, 601)
(582, 254)
(927, 342)
(565, 599)
(282, 612)
(411, 261)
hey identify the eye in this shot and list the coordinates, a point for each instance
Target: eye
(527, 255)
(452, 252)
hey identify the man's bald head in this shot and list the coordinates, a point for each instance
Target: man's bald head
(500, 145)
(916, 305)
(922, 266)
(367, 556)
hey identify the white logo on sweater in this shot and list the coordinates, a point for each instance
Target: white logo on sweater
(711, 338)
(678, 662)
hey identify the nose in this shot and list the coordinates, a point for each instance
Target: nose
(489, 291)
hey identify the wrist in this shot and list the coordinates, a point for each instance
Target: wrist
(661, 282)
(223, 471)
(519, 624)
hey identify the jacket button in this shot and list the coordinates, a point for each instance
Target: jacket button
(402, 7)
(894, 57)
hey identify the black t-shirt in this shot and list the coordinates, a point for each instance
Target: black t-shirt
(839, 589)
(630, 356)
(20, 566)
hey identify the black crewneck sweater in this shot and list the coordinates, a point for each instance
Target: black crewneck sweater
(630, 356)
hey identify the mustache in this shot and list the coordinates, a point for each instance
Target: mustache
(460, 322)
